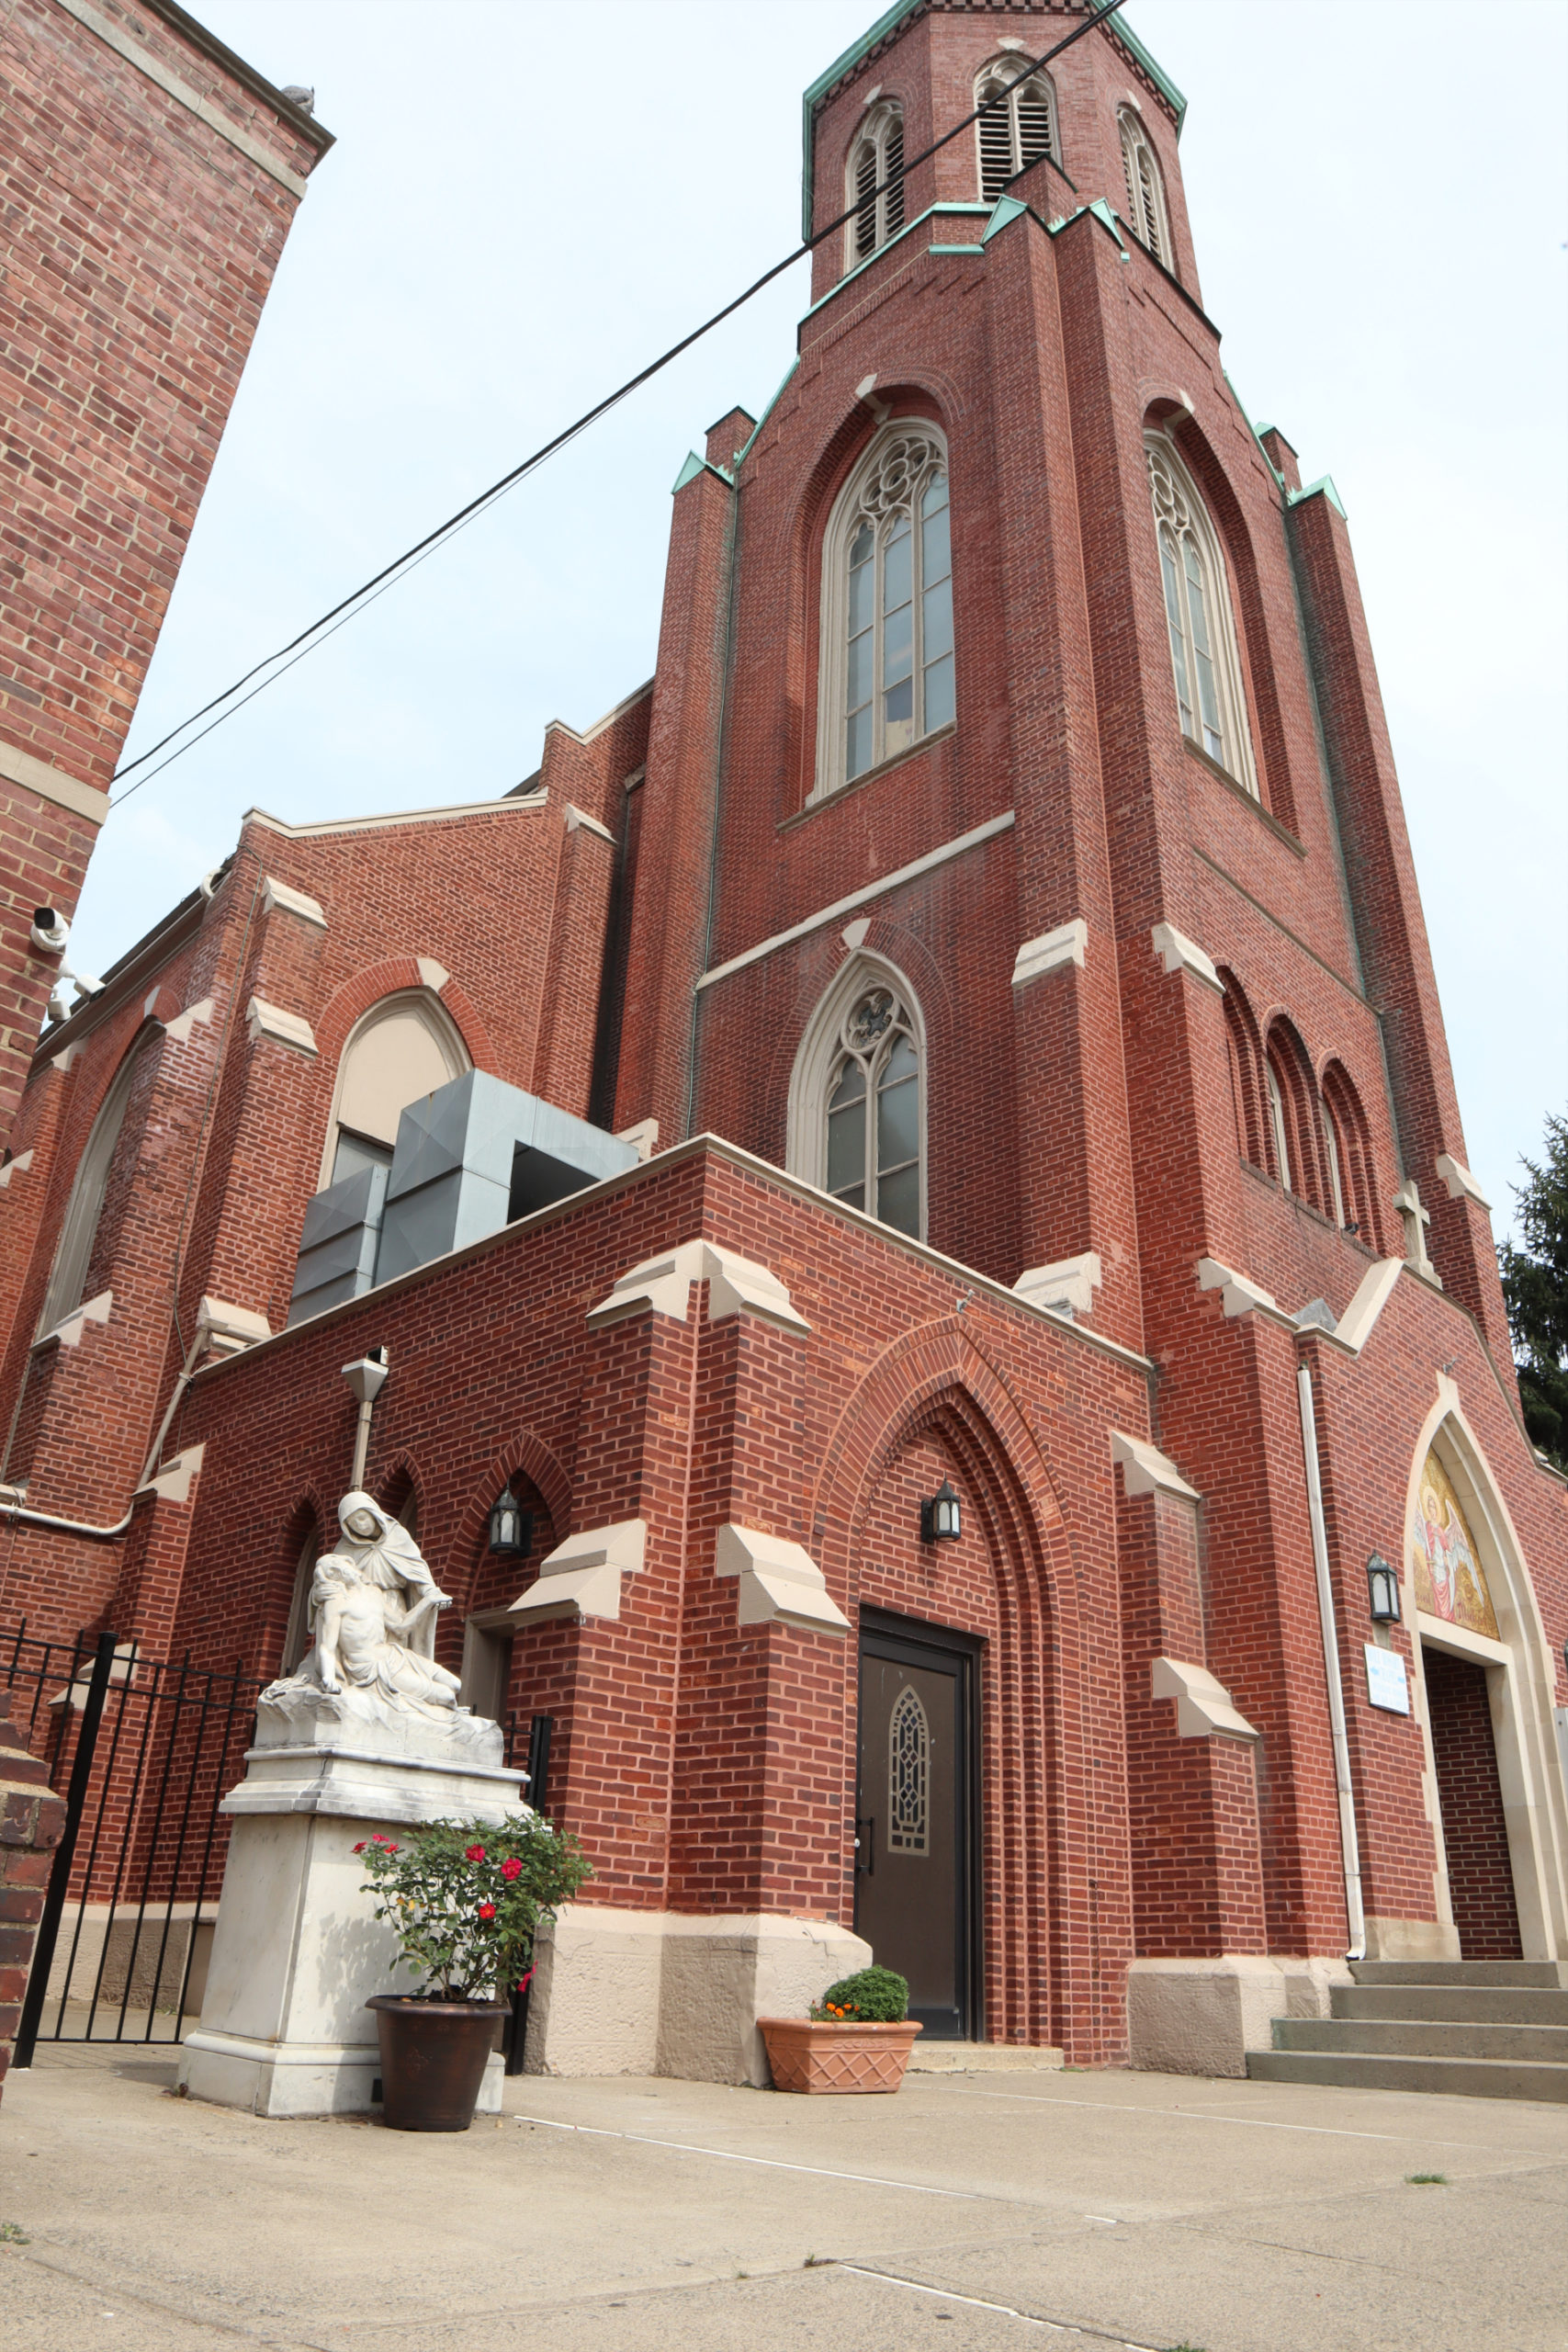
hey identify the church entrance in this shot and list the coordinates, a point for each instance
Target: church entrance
(917, 1842)
(1469, 1792)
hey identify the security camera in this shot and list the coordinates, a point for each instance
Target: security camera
(86, 985)
(50, 932)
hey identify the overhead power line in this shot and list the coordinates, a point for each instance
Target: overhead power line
(278, 664)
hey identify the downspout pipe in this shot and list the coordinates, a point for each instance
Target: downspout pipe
(1349, 1845)
(17, 1512)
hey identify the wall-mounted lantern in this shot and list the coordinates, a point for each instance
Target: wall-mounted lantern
(1382, 1588)
(939, 1519)
(510, 1527)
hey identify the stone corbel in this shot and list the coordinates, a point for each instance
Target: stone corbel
(278, 895)
(434, 976)
(1051, 950)
(1068, 1286)
(780, 1581)
(1179, 954)
(1239, 1296)
(17, 1167)
(1202, 1705)
(223, 1329)
(643, 1137)
(1461, 1185)
(91, 1310)
(265, 1020)
(581, 1577)
(736, 1286)
(1147, 1471)
(180, 1027)
(175, 1480)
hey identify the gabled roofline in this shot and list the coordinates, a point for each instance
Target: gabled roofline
(889, 22)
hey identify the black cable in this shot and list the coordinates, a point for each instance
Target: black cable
(317, 631)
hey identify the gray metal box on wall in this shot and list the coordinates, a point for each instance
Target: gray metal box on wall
(338, 1246)
(476, 1154)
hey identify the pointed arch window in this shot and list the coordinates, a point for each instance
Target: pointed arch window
(909, 1775)
(885, 673)
(1277, 1124)
(1203, 657)
(84, 1209)
(857, 1108)
(1147, 214)
(1018, 133)
(875, 186)
(405, 1046)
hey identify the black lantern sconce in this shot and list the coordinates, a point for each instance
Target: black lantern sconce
(510, 1527)
(940, 1521)
(1382, 1588)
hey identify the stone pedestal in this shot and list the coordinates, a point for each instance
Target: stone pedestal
(297, 1950)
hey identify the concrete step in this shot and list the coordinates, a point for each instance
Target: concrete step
(980, 2058)
(1452, 2004)
(1420, 2038)
(1550, 1975)
(1358, 2070)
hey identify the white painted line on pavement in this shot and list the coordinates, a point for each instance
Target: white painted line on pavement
(978, 2303)
(772, 2163)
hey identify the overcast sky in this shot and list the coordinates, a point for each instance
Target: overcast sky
(526, 202)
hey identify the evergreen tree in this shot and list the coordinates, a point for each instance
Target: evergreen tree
(1535, 1287)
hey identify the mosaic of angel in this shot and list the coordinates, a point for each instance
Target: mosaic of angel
(1450, 1582)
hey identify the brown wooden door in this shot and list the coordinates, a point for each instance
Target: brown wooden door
(916, 1848)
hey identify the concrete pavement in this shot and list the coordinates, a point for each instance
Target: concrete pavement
(969, 2213)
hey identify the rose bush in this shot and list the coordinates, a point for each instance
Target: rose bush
(466, 1898)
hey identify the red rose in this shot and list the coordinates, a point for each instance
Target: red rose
(473, 1853)
(512, 1868)
(486, 1910)
(360, 1848)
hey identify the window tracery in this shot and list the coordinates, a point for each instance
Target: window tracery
(885, 677)
(873, 1114)
(1204, 658)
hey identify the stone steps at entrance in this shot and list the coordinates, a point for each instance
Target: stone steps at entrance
(1452, 2004)
(1489, 2028)
(1546, 1973)
(1353, 2070)
(1421, 2038)
(979, 2058)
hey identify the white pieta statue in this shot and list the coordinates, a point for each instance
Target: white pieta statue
(366, 1734)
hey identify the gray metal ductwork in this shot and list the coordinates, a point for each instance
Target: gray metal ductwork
(468, 1158)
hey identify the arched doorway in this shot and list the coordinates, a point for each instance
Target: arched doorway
(1484, 1673)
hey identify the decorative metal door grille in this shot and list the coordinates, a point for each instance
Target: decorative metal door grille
(909, 1775)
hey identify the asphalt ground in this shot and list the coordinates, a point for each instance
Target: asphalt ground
(968, 2214)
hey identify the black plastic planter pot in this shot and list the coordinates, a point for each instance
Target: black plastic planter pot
(433, 2059)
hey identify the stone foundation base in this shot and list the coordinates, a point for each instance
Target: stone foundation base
(301, 2078)
(1411, 1939)
(661, 1993)
(1202, 2017)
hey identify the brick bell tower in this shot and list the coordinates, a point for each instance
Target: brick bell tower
(1034, 877)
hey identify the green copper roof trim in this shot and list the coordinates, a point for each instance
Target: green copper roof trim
(956, 249)
(906, 231)
(1101, 212)
(1008, 209)
(1325, 485)
(742, 454)
(888, 22)
(696, 466)
(1256, 431)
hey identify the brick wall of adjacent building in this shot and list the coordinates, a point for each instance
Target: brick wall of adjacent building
(142, 230)
(31, 1821)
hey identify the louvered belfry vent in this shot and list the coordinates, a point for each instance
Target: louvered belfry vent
(1017, 133)
(875, 183)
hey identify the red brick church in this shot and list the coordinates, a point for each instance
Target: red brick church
(920, 1151)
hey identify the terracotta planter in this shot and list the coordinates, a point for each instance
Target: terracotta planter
(433, 2059)
(809, 2056)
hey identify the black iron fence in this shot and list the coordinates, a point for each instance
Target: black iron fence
(142, 1750)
